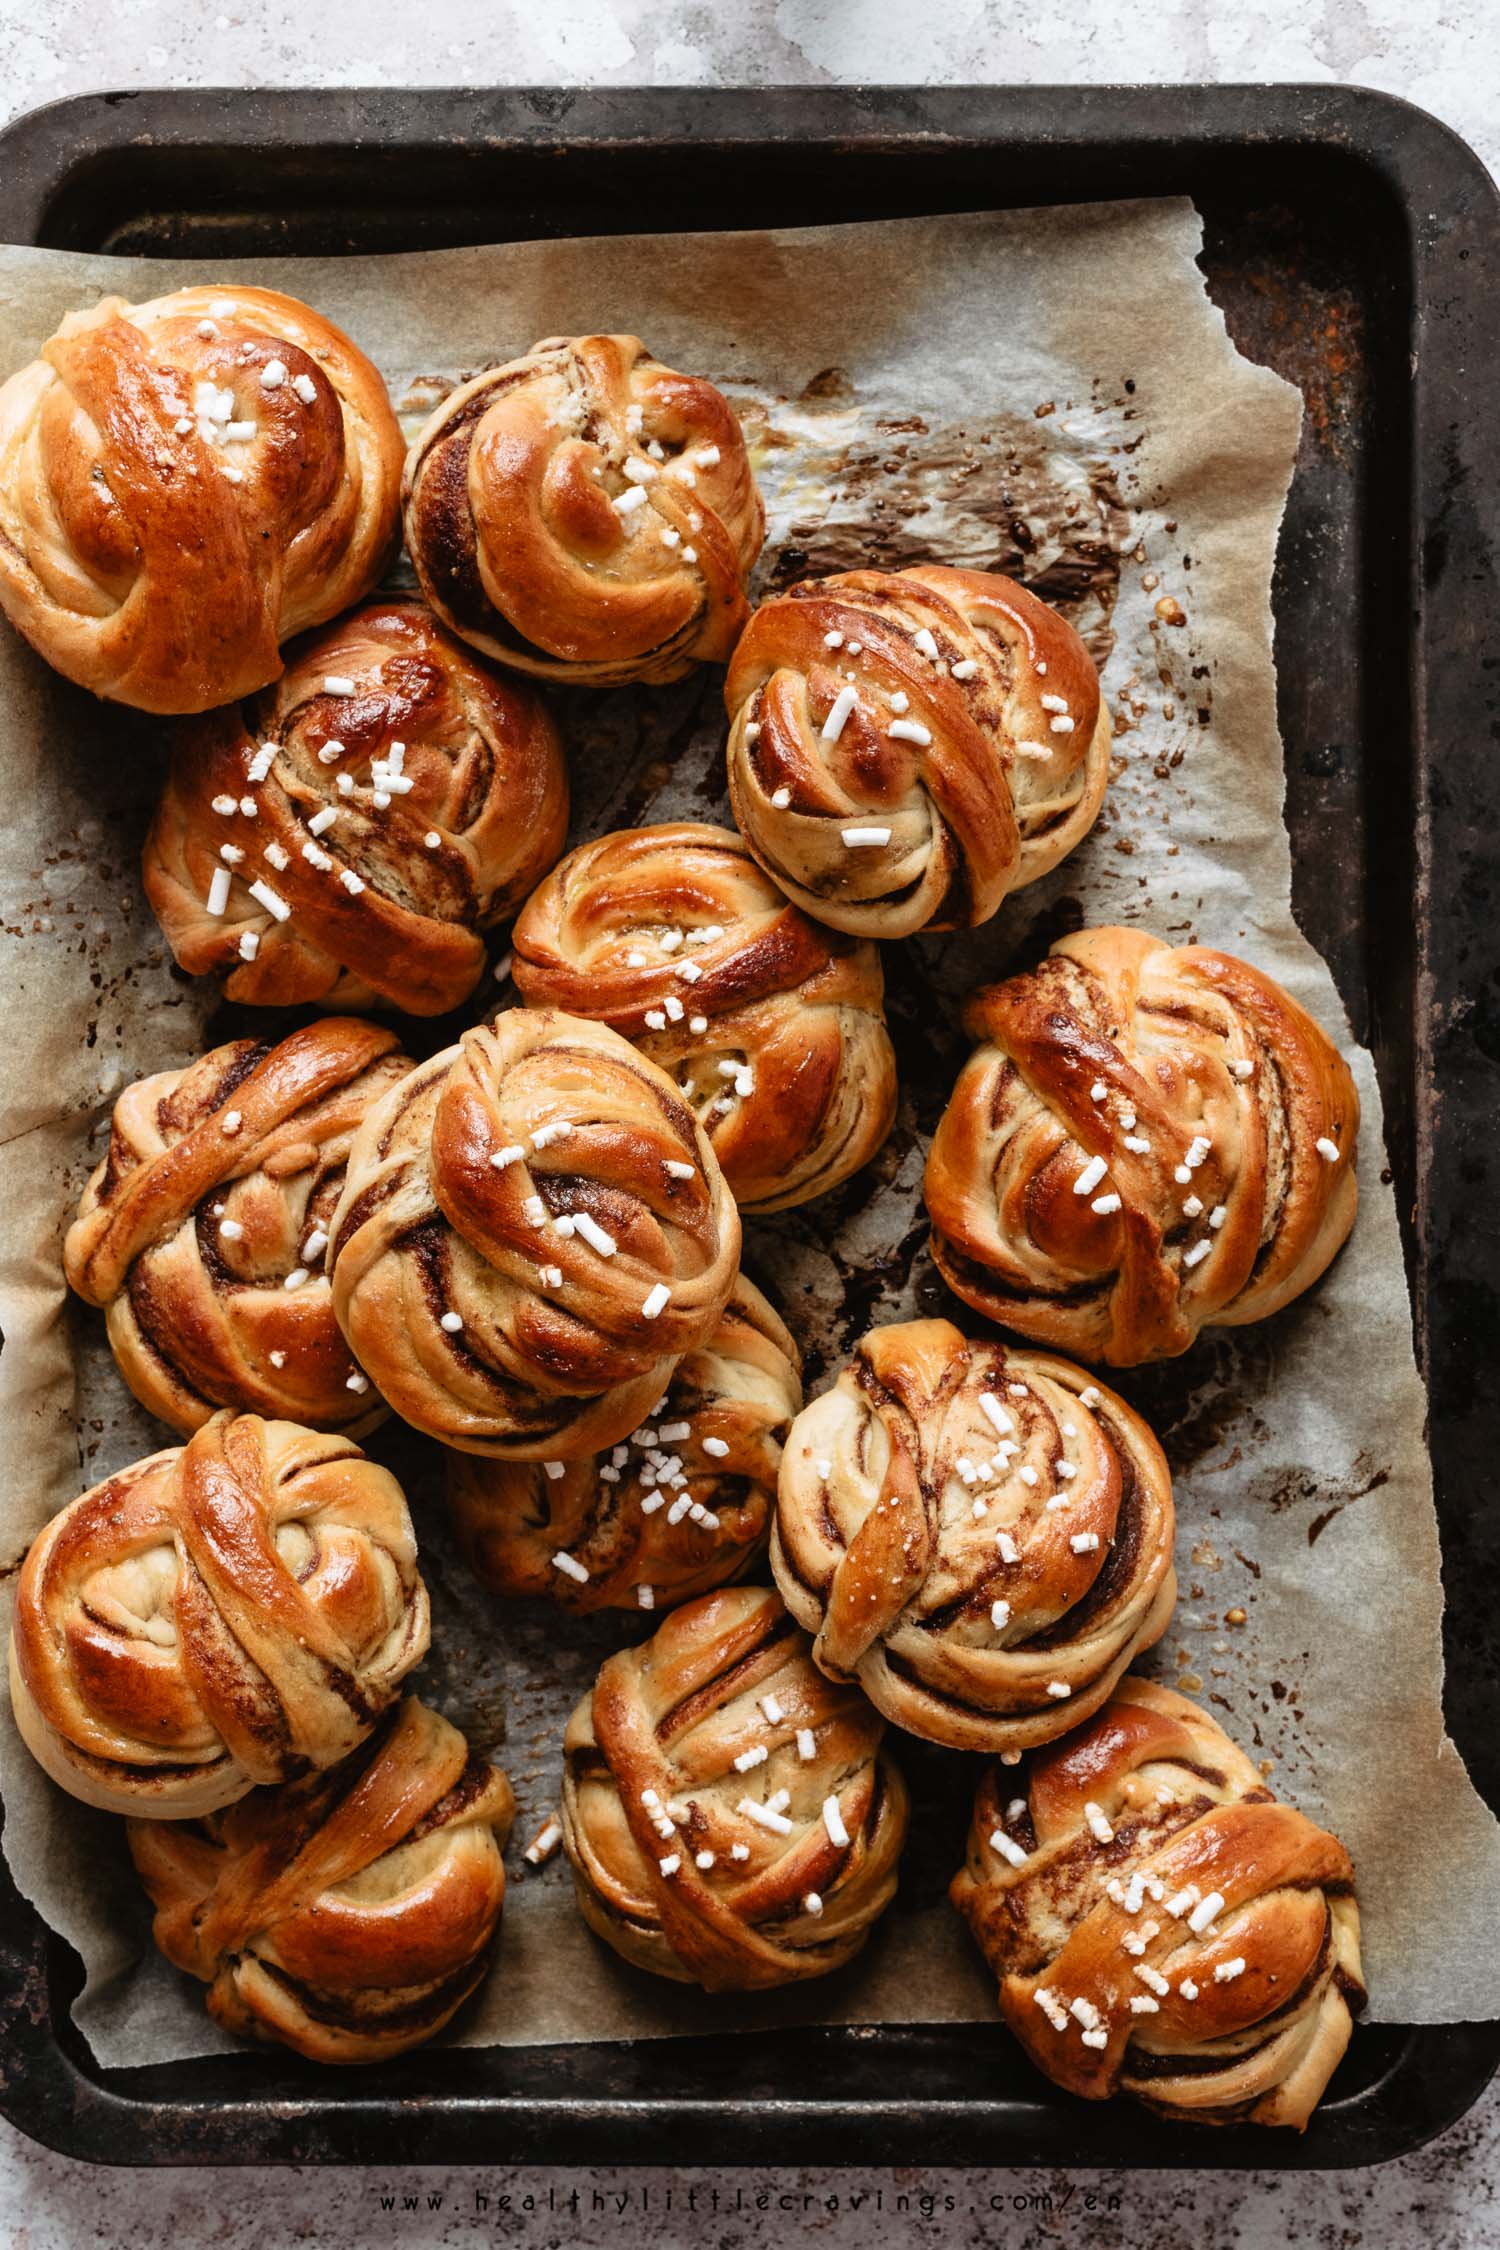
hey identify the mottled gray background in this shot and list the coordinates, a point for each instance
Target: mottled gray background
(1449, 61)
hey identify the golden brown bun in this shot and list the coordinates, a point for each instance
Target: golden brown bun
(187, 483)
(389, 901)
(233, 1611)
(1231, 1210)
(650, 1785)
(513, 525)
(926, 1526)
(947, 751)
(202, 1242)
(684, 1504)
(1127, 1833)
(555, 1346)
(348, 1915)
(795, 1005)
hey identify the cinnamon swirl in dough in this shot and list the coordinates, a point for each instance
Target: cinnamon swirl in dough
(1160, 1925)
(771, 1026)
(348, 1915)
(906, 748)
(586, 514)
(729, 1814)
(236, 1610)
(203, 1231)
(683, 1504)
(184, 485)
(1149, 1140)
(533, 1232)
(978, 1534)
(348, 837)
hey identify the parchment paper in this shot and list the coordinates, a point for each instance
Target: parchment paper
(1047, 392)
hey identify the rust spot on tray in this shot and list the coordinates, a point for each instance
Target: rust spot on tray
(1312, 332)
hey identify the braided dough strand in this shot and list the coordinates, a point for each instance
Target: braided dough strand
(348, 1915)
(977, 1534)
(233, 1611)
(193, 1233)
(771, 1026)
(186, 483)
(908, 748)
(668, 1865)
(395, 821)
(585, 513)
(513, 1260)
(1148, 1140)
(1160, 1925)
(632, 1534)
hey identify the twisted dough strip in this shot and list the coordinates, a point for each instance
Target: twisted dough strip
(186, 483)
(200, 1232)
(978, 1535)
(1238, 1190)
(233, 1611)
(615, 1530)
(586, 514)
(668, 1866)
(1160, 1925)
(946, 721)
(395, 821)
(348, 1915)
(532, 1233)
(771, 1026)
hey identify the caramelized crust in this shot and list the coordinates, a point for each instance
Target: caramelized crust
(947, 720)
(682, 1505)
(187, 483)
(976, 1533)
(1239, 1191)
(771, 1026)
(396, 822)
(202, 1232)
(533, 1232)
(1160, 1925)
(669, 1866)
(235, 1611)
(585, 513)
(348, 1915)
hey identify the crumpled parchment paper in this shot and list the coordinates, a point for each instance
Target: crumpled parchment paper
(1047, 392)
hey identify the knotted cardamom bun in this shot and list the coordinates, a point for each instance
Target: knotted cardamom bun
(730, 1816)
(1160, 1925)
(233, 1611)
(347, 837)
(532, 1233)
(348, 1915)
(586, 514)
(906, 748)
(771, 1026)
(978, 1535)
(185, 484)
(1149, 1140)
(683, 1504)
(202, 1232)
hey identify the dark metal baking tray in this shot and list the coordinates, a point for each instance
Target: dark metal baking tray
(1352, 243)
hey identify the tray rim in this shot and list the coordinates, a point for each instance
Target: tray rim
(41, 150)
(1315, 112)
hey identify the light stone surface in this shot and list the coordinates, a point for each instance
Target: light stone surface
(1449, 62)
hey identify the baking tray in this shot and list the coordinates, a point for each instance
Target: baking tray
(1352, 244)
